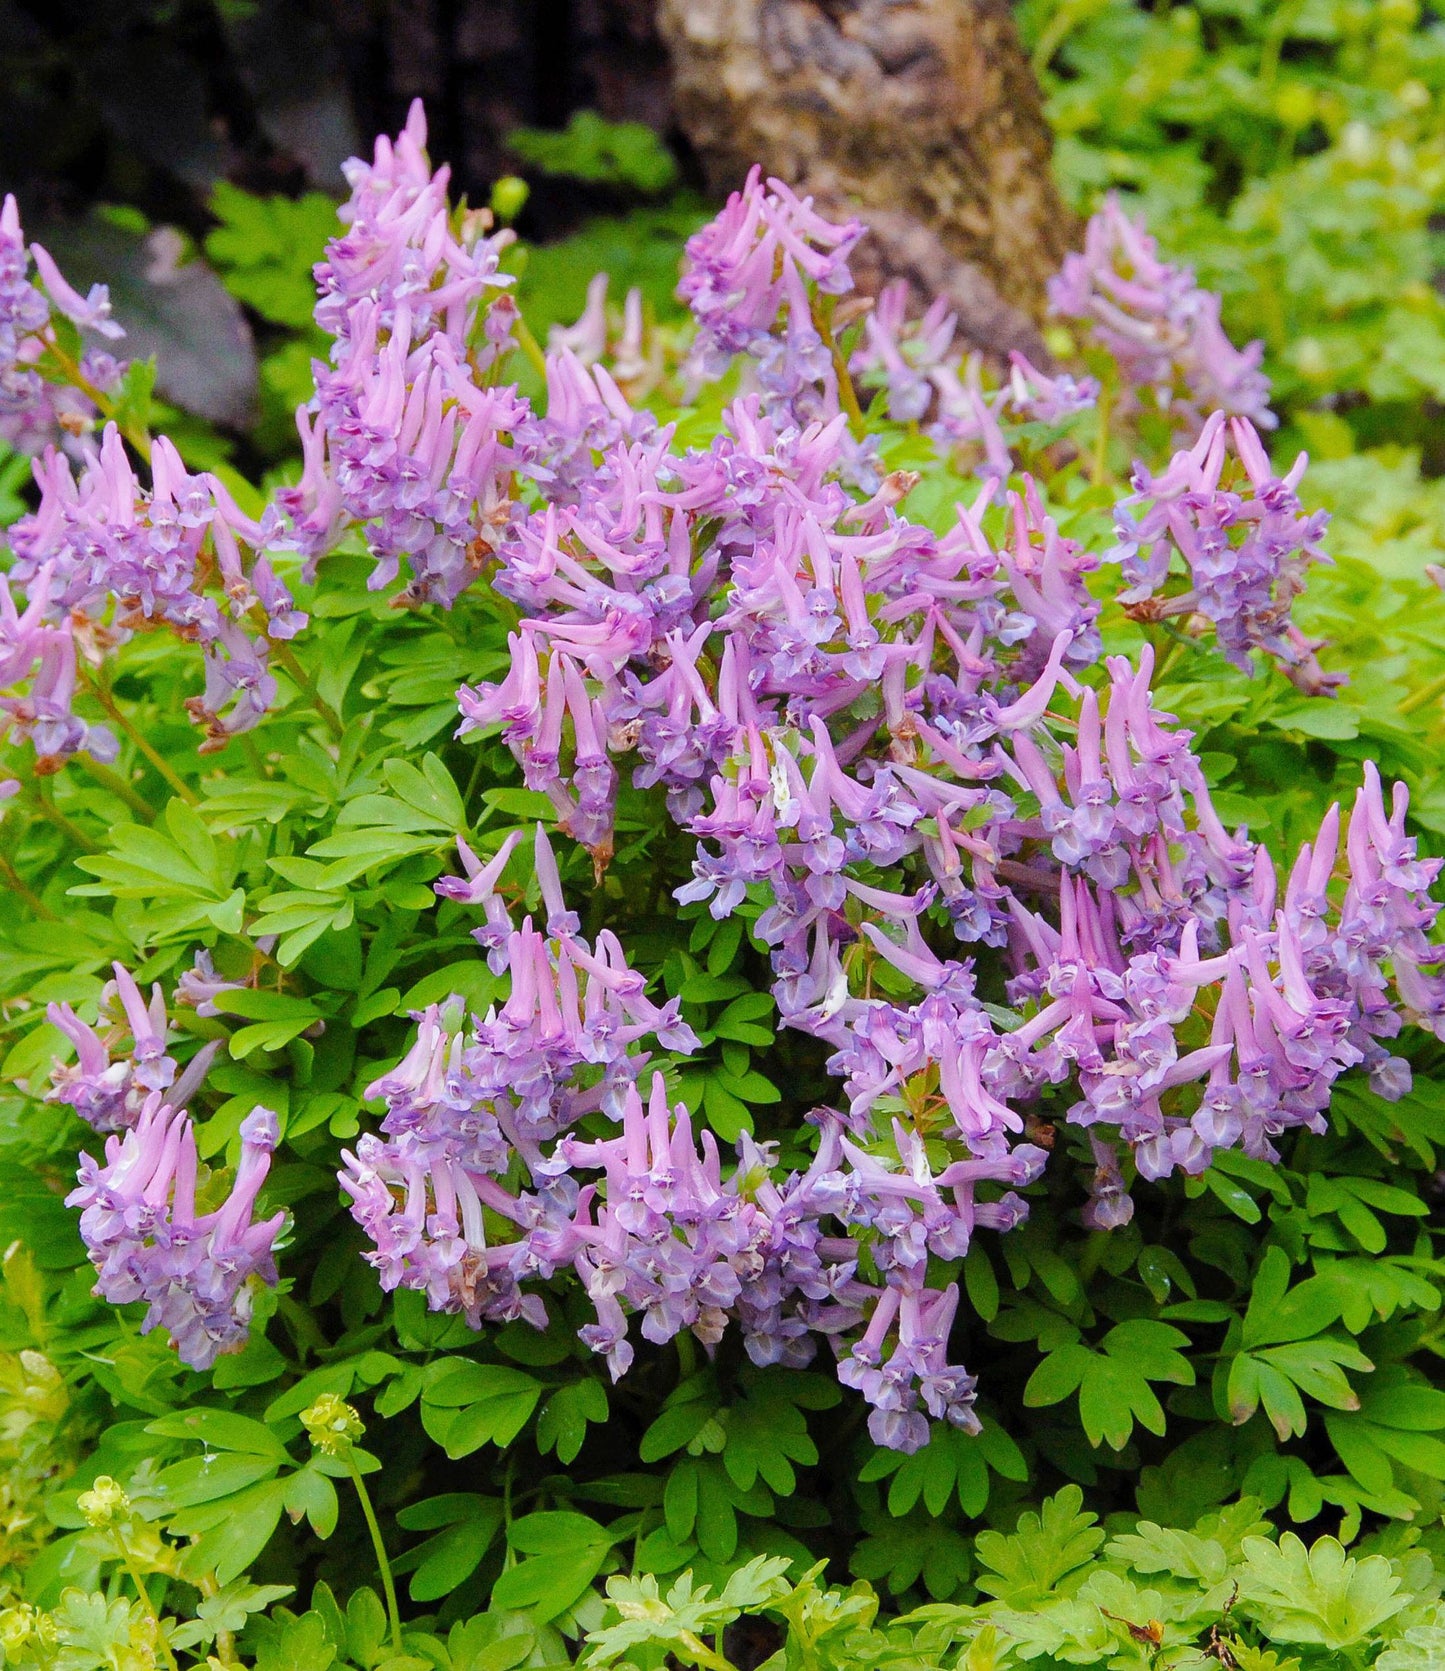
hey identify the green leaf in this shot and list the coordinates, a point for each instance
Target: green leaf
(562, 1422)
(908, 1551)
(1319, 1595)
(678, 1425)
(202, 1479)
(302, 1645)
(478, 1404)
(469, 1526)
(1113, 1383)
(430, 790)
(741, 1020)
(221, 1430)
(567, 1553)
(265, 1035)
(309, 1492)
(254, 1005)
(233, 1532)
(603, 152)
(1043, 1549)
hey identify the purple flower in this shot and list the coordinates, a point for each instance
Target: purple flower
(108, 1095)
(409, 440)
(1163, 330)
(103, 556)
(200, 985)
(195, 1273)
(1245, 549)
(36, 412)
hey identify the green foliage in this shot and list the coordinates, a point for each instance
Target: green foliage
(264, 248)
(1295, 154)
(600, 152)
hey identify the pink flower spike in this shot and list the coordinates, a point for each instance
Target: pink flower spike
(91, 312)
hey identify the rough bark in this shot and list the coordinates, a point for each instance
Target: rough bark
(920, 116)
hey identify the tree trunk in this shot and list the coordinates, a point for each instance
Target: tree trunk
(920, 116)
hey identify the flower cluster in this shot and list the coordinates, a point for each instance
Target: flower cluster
(34, 411)
(407, 436)
(105, 1087)
(662, 1234)
(102, 557)
(1160, 326)
(467, 1098)
(194, 1271)
(38, 664)
(882, 737)
(902, 750)
(1245, 548)
(633, 354)
(910, 362)
(751, 278)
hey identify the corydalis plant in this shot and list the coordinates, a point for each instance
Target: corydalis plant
(1245, 547)
(902, 751)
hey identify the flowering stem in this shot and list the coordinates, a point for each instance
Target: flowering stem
(847, 394)
(287, 658)
(530, 346)
(72, 832)
(145, 1598)
(1426, 693)
(113, 711)
(388, 1583)
(117, 785)
(71, 372)
(22, 890)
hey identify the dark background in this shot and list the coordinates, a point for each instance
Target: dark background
(148, 102)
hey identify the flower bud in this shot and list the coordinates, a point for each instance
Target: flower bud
(105, 1503)
(509, 194)
(333, 1424)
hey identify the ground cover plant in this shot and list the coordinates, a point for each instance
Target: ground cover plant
(728, 957)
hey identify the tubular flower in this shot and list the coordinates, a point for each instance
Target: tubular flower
(147, 1242)
(1160, 326)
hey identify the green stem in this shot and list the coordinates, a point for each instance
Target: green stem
(686, 1355)
(287, 658)
(70, 370)
(1101, 440)
(702, 1654)
(72, 832)
(113, 711)
(1284, 20)
(1058, 29)
(145, 1599)
(22, 890)
(117, 785)
(388, 1583)
(474, 778)
(530, 346)
(847, 394)
(1426, 693)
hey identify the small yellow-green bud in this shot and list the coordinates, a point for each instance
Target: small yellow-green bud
(105, 1503)
(17, 1626)
(509, 196)
(333, 1424)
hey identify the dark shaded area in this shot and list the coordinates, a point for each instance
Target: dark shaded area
(148, 102)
